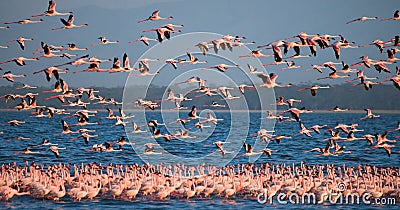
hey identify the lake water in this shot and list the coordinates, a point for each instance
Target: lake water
(290, 151)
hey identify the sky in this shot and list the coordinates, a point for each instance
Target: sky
(259, 21)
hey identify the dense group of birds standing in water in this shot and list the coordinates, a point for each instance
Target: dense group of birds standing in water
(92, 181)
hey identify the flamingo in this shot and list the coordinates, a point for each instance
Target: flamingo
(20, 61)
(396, 16)
(340, 44)
(314, 89)
(144, 71)
(66, 129)
(379, 44)
(369, 115)
(51, 10)
(360, 19)
(269, 81)
(15, 122)
(10, 77)
(249, 150)
(396, 82)
(253, 70)
(203, 46)
(382, 138)
(390, 54)
(367, 84)
(193, 60)
(346, 69)
(68, 24)
(380, 66)
(242, 88)
(290, 65)
(73, 47)
(143, 39)
(229, 96)
(296, 47)
(154, 16)
(221, 44)
(333, 75)
(26, 86)
(316, 128)
(317, 67)
(256, 54)
(338, 109)
(105, 41)
(49, 54)
(174, 62)
(165, 32)
(50, 71)
(269, 152)
(212, 119)
(25, 21)
(21, 41)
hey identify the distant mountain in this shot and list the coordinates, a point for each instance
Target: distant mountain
(380, 97)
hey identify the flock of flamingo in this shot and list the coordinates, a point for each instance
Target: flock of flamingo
(161, 181)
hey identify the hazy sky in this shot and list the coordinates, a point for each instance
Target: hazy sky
(259, 21)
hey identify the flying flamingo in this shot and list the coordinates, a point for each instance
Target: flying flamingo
(269, 81)
(346, 69)
(174, 62)
(66, 129)
(290, 65)
(68, 24)
(221, 67)
(154, 16)
(369, 115)
(229, 96)
(340, 44)
(50, 71)
(367, 84)
(104, 41)
(314, 89)
(51, 10)
(256, 54)
(190, 80)
(20, 61)
(143, 39)
(193, 60)
(203, 46)
(396, 16)
(360, 19)
(253, 70)
(21, 41)
(316, 67)
(390, 54)
(165, 31)
(379, 44)
(73, 47)
(144, 71)
(295, 112)
(396, 82)
(47, 52)
(333, 75)
(296, 47)
(10, 77)
(25, 21)
(25, 86)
